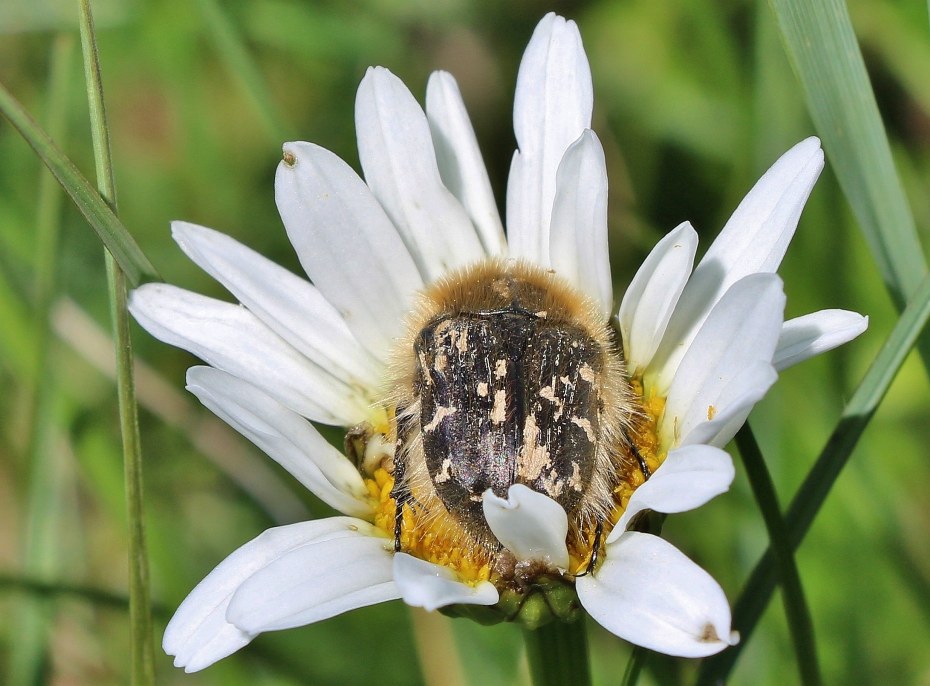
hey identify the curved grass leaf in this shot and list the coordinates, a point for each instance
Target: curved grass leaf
(813, 492)
(822, 46)
(111, 231)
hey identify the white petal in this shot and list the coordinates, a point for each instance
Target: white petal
(346, 244)
(427, 585)
(754, 240)
(289, 305)
(578, 232)
(231, 338)
(552, 107)
(758, 233)
(198, 635)
(286, 437)
(651, 298)
(396, 150)
(459, 158)
(733, 406)
(316, 581)
(816, 333)
(216, 638)
(688, 478)
(741, 331)
(529, 524)
(648, 593)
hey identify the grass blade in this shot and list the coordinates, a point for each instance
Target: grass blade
(634, 667)
(800, 625)
(822, 45)
(812, 493)
(101, 218)
(140, 613)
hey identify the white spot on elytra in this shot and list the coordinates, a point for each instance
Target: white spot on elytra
(500, 368)
(548, 393)
(499, 410)
(586, 373)
(575, 479)
(533, 458)
(553, 485)
(461, 342)
(444, 473)
(441, 413)
(585, 424)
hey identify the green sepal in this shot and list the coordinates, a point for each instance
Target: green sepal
(549, 597)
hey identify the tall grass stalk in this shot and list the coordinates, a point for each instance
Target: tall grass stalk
(140, 617)
(800, 625)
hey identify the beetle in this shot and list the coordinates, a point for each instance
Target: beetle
(508, 375)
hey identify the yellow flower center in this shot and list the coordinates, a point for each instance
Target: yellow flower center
(428, 537)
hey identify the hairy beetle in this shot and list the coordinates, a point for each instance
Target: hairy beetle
(508, 375)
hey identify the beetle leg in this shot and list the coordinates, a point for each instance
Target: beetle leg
(595, 550)
(643, 467)
(401, 495)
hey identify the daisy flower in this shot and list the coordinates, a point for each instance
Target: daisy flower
(506, 425)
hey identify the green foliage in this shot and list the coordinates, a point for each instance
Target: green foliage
(693, 100)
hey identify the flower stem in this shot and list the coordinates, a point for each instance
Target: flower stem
(140, 616)
(800, 624)
(558, 654)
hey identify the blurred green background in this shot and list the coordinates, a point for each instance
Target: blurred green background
(693, 100)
